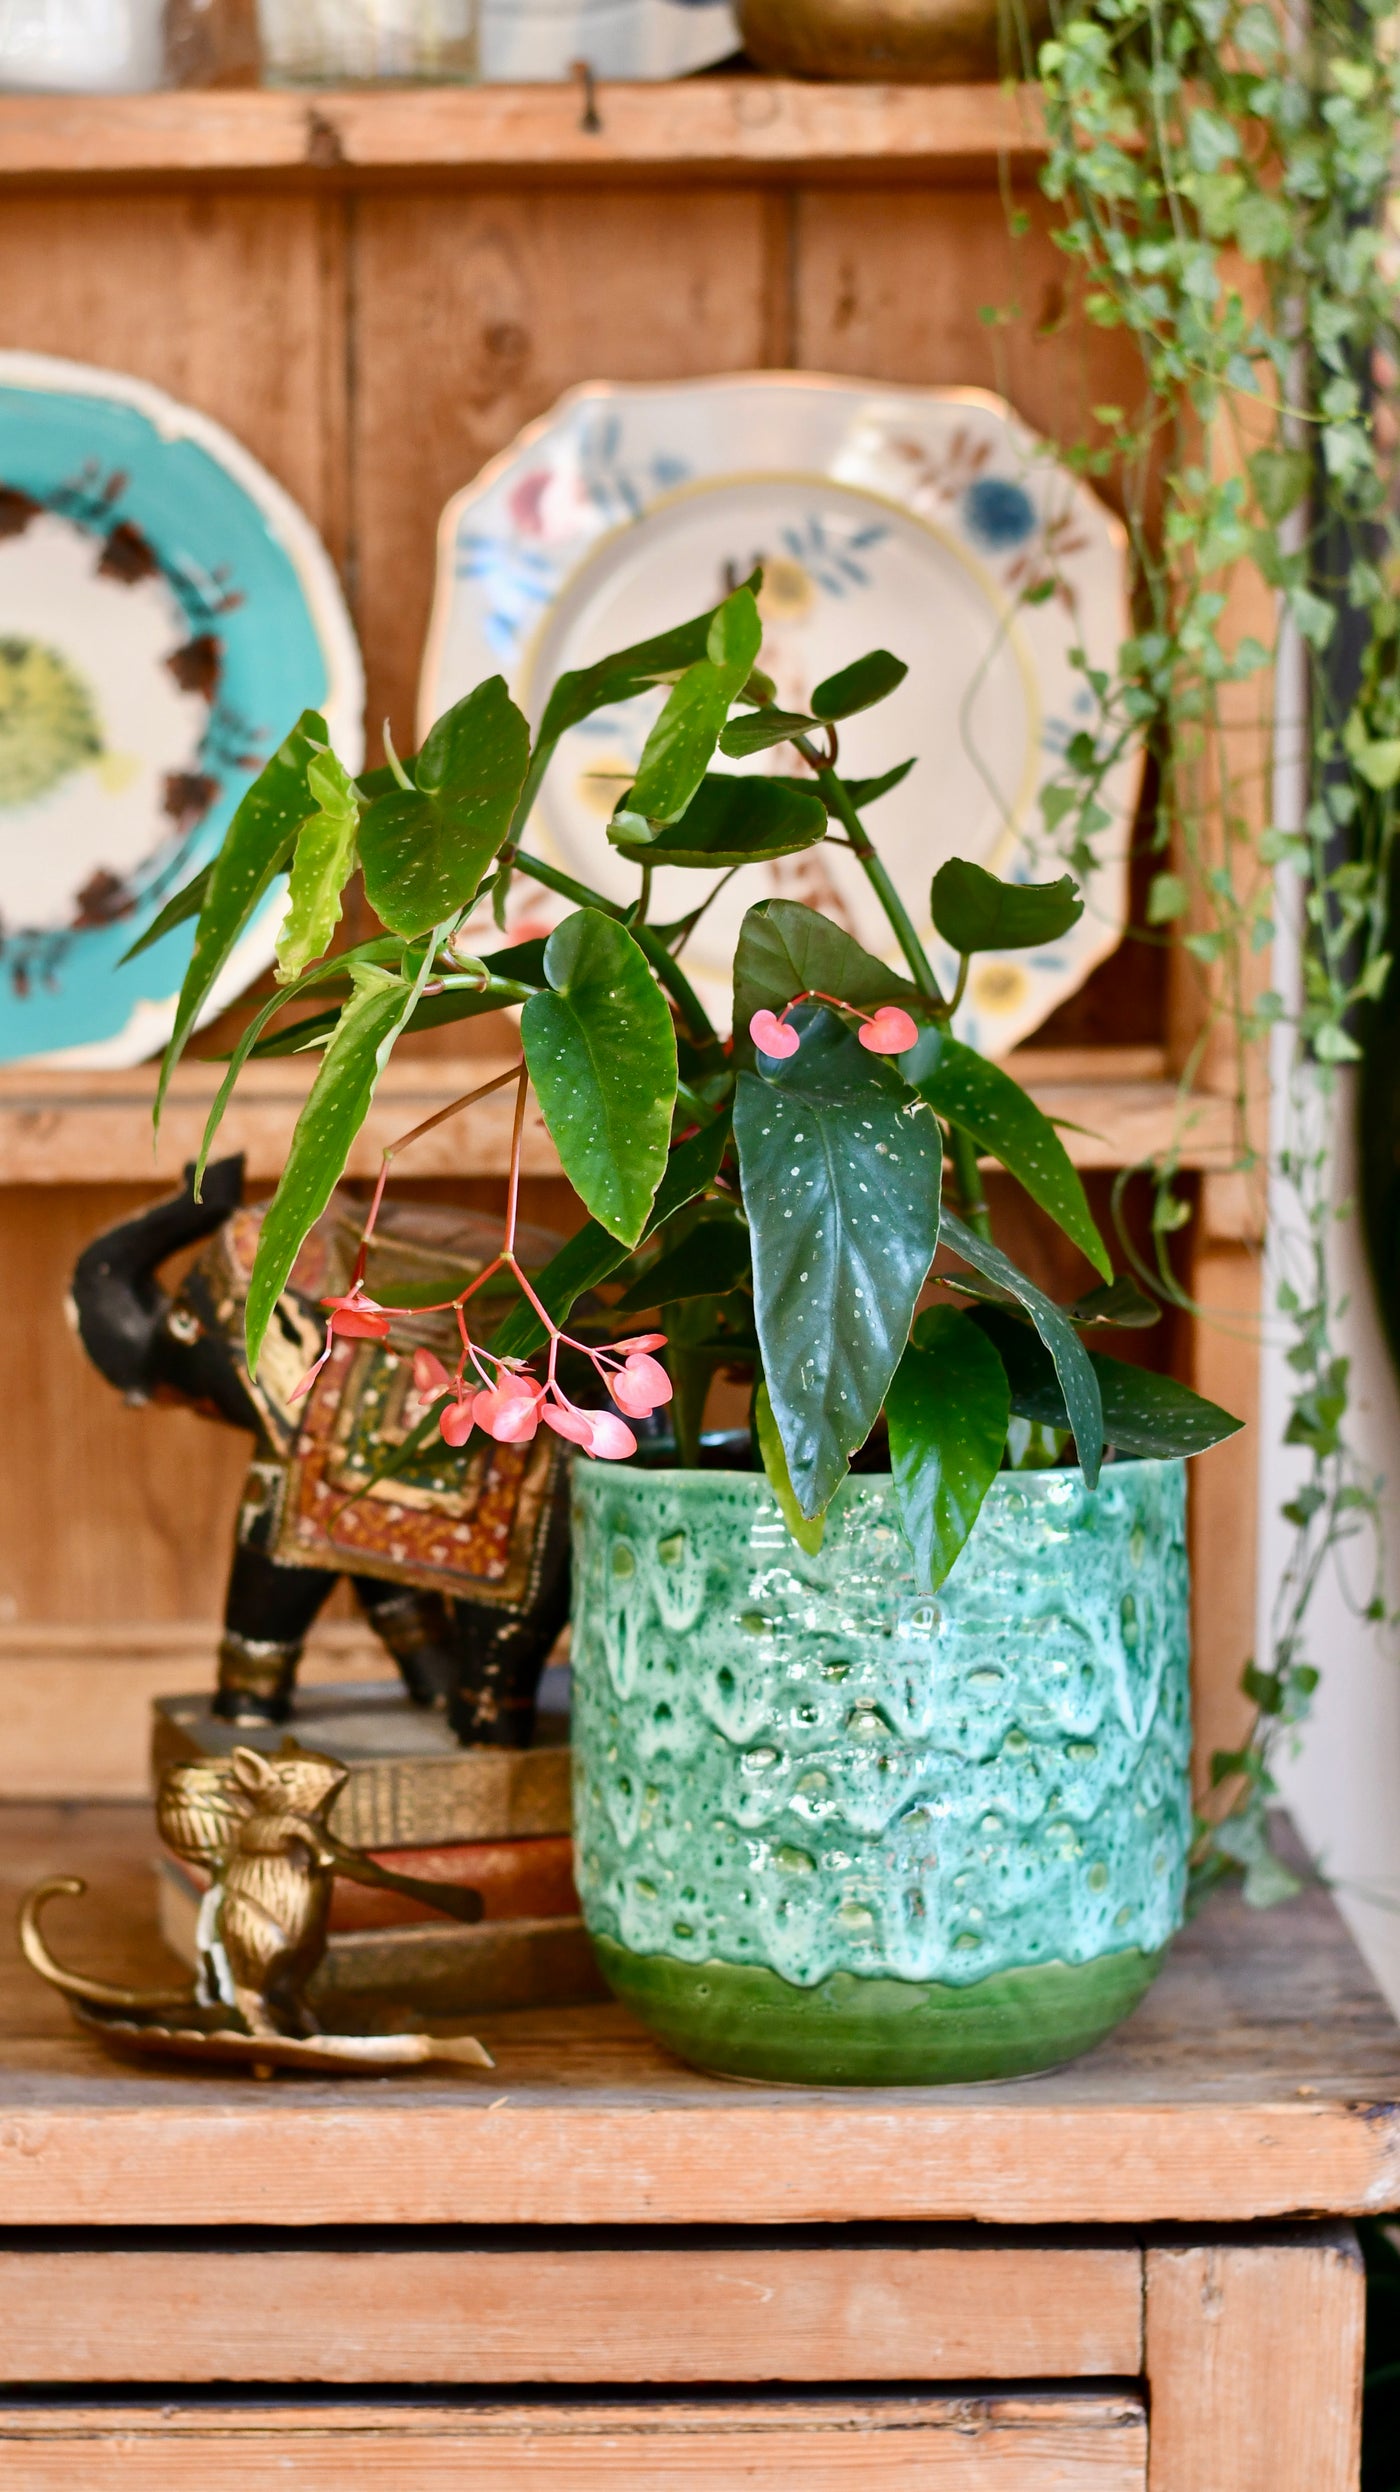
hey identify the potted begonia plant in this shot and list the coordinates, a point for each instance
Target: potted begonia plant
(880, 1772)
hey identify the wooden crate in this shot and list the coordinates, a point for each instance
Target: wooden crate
(375, 292)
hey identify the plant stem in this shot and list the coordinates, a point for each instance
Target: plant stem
(670, 973)
(839, 803)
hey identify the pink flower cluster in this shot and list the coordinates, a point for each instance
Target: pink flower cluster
(511, 1407)
(510, 1404)
(888, 1032)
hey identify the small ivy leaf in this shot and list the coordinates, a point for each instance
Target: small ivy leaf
(976, 912)
(322, 864)
(807, 1529)
(425, 851)
(948, 1409)
(872, 678)
(601, 1049)
(729, 821)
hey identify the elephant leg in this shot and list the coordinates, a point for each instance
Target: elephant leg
(501, 1653)
(415, 1629)
(266, 1616)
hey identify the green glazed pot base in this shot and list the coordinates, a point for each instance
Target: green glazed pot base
(741, 2020)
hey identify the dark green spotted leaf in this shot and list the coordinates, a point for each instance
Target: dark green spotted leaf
(765, 728)
(601, 1049)
(859, 687)
(592, 1254)
(257, 845)
(338, 1104)
(947, 1409)
(785, 949)
(731, 821)
(425, 850)
(1072, 1363)
(1143, 1414)
(976, 912)
(862, 792)
(841, 1188)
(986, 1103)
(1121, 1303)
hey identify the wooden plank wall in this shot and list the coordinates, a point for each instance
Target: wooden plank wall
(373, 347)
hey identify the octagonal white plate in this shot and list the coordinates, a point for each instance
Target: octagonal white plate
(166, 613)
(917, 520)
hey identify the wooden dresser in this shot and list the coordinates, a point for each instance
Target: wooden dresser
(592, 2267)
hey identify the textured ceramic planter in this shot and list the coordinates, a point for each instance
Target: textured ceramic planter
(833, 1832)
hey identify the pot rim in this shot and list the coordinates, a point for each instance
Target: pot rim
(1042, 1479)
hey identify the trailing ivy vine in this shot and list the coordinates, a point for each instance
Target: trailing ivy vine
(1219, 181)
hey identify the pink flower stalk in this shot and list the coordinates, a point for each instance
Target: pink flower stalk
(888, 1032)
(355, 1317)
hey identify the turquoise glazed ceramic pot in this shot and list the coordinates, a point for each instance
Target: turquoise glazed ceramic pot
(833, 1832)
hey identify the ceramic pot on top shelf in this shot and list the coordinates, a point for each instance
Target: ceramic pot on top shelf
(920, 42)
(834, 1832)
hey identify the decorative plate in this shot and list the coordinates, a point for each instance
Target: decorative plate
(928, 522)
(166, 613)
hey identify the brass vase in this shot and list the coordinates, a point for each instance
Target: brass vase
(923, 42)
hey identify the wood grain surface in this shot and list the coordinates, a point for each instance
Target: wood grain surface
(1068, 2441)
(1255, 2353)
(735, 2310)
(1259, 2078)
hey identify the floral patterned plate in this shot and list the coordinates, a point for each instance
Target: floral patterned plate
(930, 522)
(166, 613)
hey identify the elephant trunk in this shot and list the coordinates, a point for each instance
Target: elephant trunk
(116, 1304)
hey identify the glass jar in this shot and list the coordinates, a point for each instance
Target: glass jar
(367, 42)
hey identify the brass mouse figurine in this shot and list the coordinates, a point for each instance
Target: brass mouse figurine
(259, 1827)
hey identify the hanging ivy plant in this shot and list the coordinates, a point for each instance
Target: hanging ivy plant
(1219, 182)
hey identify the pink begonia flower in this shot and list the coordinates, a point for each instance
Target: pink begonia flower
(611, 1439)
(511, 1412)
(641, 1386)
(576, 1425)
(640, 1341)
(889, 1031)
(457, 1420)
(772, 1036)
(351, 1318)
(429, 1375)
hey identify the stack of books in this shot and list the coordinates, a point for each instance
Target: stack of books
(497, 1819)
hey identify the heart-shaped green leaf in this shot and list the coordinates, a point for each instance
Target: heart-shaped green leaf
(986, 1103)
(976, 912)
(593, 1253)
(323, 861)
(339, 1102)
(1073, 1365)
(681, 745)
(731, 821)
(620, 677)
(1144, 1414)
(256, 846)
(841, 1188)
(601, 1049)
(860, 686)
(947, 1409)
(425, 850)
(785, 949)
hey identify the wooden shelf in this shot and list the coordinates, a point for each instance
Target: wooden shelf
(771, 127)
(1117, 1106)
(1260, 2077)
